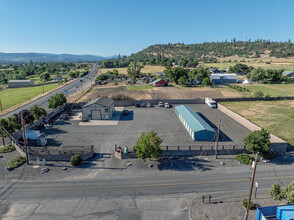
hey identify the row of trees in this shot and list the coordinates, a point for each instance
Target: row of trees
(182, 76)
(11, 124)
(22, 71)
(267, 75)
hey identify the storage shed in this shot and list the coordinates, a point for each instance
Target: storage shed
(20, 83)
(98, 109)
(223, 78)
(197, 128)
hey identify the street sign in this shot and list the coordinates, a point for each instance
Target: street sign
(256, 184)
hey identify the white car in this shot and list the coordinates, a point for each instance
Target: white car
(160, 104)
(149, 105)
(166, 105)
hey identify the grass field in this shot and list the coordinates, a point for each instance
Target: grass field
(11, 97)
(146, 69)
(275, 116)
(138, 87)
(273, 90)
(275, 63)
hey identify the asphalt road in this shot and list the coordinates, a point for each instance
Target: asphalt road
(70, 88)
(148, 185)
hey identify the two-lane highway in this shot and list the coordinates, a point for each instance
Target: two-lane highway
(72, 87)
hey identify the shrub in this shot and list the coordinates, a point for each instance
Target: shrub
(245, 202)
(7, 149)
(116, 83)
(290, 197)
(258, 94)
(16, 162)
(275, 191)
(75, 160)
(245, 159)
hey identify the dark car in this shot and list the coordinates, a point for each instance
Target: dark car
(125, 112)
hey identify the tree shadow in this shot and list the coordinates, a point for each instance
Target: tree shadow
(52, 131)
(222, 136)
(286, 158)
(182, 163)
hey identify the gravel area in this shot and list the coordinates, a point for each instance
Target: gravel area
(228, 206)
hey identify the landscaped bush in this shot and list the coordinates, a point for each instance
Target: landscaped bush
(275, 191)
(7, 149)
(245, 202)
(258, 94)
(245, 158)
(75, 160)
(16, 162)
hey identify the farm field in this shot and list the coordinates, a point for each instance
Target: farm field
(275, 116)
(11, 97)
(146, 69)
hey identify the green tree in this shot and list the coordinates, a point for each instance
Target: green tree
(57, 100)
(198, 74)
(174, 74)
(148, 145)
(206, 81)
(258, 141)
(37, 111)
(44, 77)
(257, 75)
(275, 191)
(10, 124)
(181, 81)
(134, 70)
(115, 72)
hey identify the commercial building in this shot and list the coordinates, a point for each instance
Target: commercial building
(98, 109)
(20, 83)
(223, 78)
(197, 128)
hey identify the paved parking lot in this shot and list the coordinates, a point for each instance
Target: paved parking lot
(127, 131)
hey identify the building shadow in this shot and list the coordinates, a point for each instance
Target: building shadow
(222, 136)
(128, 117)
(182, 163)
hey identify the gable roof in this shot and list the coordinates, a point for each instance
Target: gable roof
(286, 73)
(100, 101)
(196, 123)
(158, 80)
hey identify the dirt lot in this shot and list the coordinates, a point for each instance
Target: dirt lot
(170, 92)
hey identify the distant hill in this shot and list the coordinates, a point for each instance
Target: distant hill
(210, 52)
(47, 57)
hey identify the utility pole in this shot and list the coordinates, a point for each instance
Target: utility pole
(217, 136)
(2, 134)
(1, 105)
(24, 137)
(252, 181)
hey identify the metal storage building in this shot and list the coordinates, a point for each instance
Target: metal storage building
(223, 78)
(198, 129)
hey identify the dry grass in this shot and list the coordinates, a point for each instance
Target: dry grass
(276, 116)
(146, 69)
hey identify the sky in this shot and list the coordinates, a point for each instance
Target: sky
(112, 27)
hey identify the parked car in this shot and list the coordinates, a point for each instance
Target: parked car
(125, 112)
(166, 105)
(161, 104)
(63, 117)
(84, 120)
(69, 112)
(149, 105)
(143, 105)
(137, 105)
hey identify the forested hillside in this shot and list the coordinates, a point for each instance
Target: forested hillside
(160, 54)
